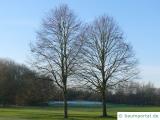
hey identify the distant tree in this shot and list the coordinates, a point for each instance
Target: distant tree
(35, 90)
(109, 60)
(21, 86)
(11, 80)
(58, 48)
(7, 83)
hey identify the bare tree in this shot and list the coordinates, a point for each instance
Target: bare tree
(109, 60)
(58, 48)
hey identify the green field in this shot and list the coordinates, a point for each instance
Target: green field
(75, 113)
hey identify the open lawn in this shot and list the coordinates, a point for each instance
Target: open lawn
(75, 113)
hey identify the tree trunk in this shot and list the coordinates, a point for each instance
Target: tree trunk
(65, 103)
(104, 104)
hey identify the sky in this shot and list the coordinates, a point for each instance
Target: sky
(139, 20)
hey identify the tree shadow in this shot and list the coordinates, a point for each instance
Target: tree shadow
(90, 117)
(108, 116)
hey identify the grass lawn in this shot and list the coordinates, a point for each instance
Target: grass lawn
(75, 113)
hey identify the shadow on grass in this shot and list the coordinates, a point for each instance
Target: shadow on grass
(108, 116)
(90, 117)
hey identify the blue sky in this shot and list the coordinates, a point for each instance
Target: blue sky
(139, 19)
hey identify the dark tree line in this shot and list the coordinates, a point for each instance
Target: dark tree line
(136, 94)
(21, 86)
(133, 93)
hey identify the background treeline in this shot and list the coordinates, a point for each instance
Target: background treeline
(20, 85)
(135, 94)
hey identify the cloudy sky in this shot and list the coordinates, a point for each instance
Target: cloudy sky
(139, 19)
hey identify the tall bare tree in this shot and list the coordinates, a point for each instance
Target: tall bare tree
(58, 48)
(109, 60)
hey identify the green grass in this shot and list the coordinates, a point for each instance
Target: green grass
(75, 113)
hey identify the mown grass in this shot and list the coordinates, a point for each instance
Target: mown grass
(75, 113)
